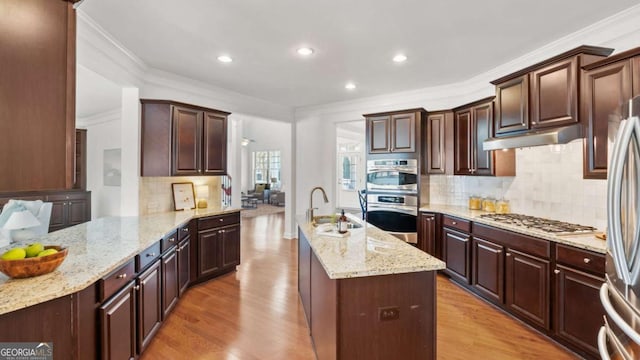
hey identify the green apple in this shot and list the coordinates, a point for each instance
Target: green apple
(34, 249)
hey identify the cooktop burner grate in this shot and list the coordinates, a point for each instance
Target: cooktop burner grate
(546, 225)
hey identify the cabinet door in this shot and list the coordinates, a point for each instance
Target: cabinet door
(184, 266)
(463, 142)
(512, 105)
(187, 141)
(304, 275)
(527, 287)
(456, 254)
(488, 269)
(403, 133)
(149, 305)
(77, 212)
(436, 140)
(214, 144)
(605, 91)
(554, 97)
(58, 218)
(427, 238)
(230, 240)
(208, 252)
(379, 130)
(636, 76)
(482, 129)
(169, 282)
(578, 311)
(118, 325)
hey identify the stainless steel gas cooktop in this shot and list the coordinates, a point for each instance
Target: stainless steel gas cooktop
(551, 226)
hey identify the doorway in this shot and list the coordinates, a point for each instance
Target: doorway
(350, 164)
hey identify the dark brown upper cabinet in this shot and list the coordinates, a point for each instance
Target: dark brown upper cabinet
(439, 143)
(473, 124)
(38, 80)
(606, 87)
(394, 132)
(181, 139)
(543, 95)
(512, 105)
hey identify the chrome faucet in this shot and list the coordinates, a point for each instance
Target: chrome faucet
(311, 208)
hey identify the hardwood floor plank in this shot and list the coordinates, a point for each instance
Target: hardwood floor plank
(255, 313)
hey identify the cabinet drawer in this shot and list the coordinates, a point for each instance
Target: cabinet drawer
(113, 282)
(169, 241)
(218, 221)
(456, 223)
(183, 231)
(147, 256)
(581, 259)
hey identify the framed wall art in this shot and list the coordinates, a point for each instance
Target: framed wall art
(183, 196)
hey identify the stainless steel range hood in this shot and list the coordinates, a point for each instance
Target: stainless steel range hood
(535, 138)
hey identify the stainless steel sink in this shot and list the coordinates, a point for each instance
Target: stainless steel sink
(328, 219)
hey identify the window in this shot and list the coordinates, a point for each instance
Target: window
(266, 166)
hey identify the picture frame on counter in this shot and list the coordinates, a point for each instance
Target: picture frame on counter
(183, 196)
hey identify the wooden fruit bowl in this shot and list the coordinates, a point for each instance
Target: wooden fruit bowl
(28, 267)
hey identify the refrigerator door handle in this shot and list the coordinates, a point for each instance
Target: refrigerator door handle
(613, 314)
(602, 344)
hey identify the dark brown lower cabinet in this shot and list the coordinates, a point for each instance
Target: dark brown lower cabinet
(208, 252)
(149, 289)
(456, 253)
(488, 269)
(118, 325)
(304, 275)
(184, 265)
(428, 235)
(373, 317)
(527, 287)
(230, 240)
(578, 311)
(169, 281)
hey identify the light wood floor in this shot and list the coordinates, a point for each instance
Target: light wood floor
(255, 313)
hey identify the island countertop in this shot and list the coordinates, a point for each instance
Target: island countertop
(367, 251)
(583, 241)
(95, 248)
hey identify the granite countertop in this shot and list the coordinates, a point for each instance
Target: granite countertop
(95, 249)
(583, 241)
(367, 251)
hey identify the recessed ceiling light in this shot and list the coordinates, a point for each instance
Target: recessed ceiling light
(225, 58)
(305, 51)
(400, 58)
(350, 86)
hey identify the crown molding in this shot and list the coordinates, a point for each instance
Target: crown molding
(99, 118)
(610, 31)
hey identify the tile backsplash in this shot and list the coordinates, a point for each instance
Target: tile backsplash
(548, 183)
(156, 195)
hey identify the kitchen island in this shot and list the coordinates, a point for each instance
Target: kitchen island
(368, 295)
(118, 282)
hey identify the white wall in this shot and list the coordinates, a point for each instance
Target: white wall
(103, 132)
(315, 124)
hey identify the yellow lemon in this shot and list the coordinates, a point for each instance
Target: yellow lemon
(14, 254)
(47, 252)
(34, 249)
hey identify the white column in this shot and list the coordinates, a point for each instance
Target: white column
(130, 133)
(234, 158)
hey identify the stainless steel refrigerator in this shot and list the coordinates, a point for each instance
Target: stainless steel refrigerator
(619, 337)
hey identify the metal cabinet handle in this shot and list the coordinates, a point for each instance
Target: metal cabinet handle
(151, 254)
(508, 254)
(185, 229)
(556, 271)
(221, 220)
(172, 240)
(178, 250)
(587, 260)
(454, 223)
(122, 276)
(222, 231)
(137, 287)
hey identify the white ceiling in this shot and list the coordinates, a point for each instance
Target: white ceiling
(445, 41)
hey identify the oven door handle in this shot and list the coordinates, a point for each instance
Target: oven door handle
(396, 208)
